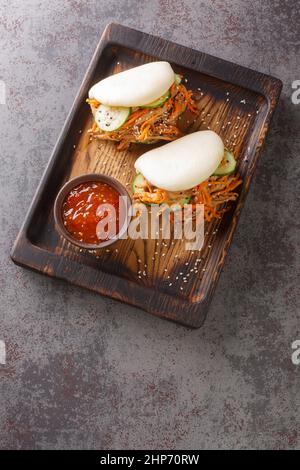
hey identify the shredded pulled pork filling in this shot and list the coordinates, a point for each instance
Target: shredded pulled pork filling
(213, 193)
(149, 125)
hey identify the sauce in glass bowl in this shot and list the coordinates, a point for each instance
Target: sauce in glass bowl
(92, 210)
(85, 206)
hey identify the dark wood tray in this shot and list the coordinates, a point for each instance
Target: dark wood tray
(236, 102)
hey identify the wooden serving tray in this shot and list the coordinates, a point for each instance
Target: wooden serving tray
(159, 276)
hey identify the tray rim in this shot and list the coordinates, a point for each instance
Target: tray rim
(24, 251)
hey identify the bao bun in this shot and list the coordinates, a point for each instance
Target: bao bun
(135, 87)
(184, 163)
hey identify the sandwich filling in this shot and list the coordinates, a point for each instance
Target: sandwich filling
(148, 124)
(213, 193)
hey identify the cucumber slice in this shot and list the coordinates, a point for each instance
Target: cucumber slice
(177, 207)
(137, 183)
(177, 79)
(111, 118)
(227, 165)
(185, 200)
(159, 102)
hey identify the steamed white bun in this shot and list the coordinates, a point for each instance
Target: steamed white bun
(134, 87)
(183, 163)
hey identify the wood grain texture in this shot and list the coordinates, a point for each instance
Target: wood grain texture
(159, 276)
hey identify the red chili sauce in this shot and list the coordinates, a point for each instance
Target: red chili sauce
(81, 213)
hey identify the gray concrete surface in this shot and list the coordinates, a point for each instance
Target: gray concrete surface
(86, 372)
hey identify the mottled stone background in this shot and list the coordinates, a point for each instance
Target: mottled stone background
(87, 372)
